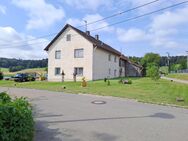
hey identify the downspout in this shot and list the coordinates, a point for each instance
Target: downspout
(94, 48)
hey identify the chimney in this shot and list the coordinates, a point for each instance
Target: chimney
(97, 37)
(88, 33)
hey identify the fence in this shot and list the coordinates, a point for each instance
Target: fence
(180, 71)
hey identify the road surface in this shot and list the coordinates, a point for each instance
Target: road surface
(70, 117)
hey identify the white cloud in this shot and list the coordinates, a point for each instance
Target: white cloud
(131, 35)
(150, 7)
(41, 14)
(75, 22)
(2, 9)
(88, 4)
(170, 19)
(89, 19)
(163, 31)
(18, 45)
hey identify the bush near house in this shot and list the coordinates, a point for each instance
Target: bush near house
(152, 71)
(16, 121)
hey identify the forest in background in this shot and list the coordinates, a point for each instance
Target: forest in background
(19, 64)
(176, 63)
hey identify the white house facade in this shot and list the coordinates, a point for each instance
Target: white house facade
(76, 53)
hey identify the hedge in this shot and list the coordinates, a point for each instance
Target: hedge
(16, 121)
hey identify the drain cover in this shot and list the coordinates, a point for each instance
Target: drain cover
(98, 102)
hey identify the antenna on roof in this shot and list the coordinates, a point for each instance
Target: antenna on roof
(121, 51)
(85, 25)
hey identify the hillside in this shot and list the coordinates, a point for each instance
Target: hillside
(33, 70)
(24, 64)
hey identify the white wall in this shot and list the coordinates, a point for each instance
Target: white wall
(101, 64)
(67, 61)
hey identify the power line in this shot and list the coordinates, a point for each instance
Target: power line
(25, 45)
(37, 38)
(11, 46)
(130, 19)
(93, 22)
(143, 15)
(122, 12)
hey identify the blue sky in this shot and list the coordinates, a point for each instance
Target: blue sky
(23, 21)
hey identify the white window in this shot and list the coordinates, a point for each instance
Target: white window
(78, 71)
(115, 71)
(109, 71)
(58, 54)
(115, 58)
(68, 37)
(79, 53)
(57, 71)
(109, 57)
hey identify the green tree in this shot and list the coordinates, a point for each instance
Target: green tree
(153, 72)
(163, 70)
(176, 67)
(150, 59)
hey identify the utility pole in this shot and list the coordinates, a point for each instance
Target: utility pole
(168, 63)
(187, 60)
(85, 25)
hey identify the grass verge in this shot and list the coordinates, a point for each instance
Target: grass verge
(142, 89)
(181, 76)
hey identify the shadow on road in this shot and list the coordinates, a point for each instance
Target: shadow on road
(44, 133)
(156, 115)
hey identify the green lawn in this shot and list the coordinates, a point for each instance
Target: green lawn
(142, 89)
(182, 76)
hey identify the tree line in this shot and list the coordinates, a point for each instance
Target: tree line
(154, 65)
(175, 62)
(19, 64)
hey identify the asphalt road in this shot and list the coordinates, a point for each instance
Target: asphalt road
(70, 117)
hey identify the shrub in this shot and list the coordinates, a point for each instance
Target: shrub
(105, 79)
(1, 75)
(153, 72)
(126, 81)
(16, 121)
(108, 82)
(4, 98)
(129, 81)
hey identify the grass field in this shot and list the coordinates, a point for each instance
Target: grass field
(142, 89)
(182, 76)
(7, 73)
(4, 70)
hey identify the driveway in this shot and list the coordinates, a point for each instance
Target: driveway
(175, 80)
(70, 117)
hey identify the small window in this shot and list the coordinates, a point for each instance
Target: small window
(58, 54)
(57, 71)
(115, 71)
(109, 71)
(68, 38)
(115, 58)
(78, 71)
(109, 57)
(79, 53)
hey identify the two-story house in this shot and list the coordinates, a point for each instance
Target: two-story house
(73, 51)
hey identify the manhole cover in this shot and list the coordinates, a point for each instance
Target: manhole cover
(98, 102)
